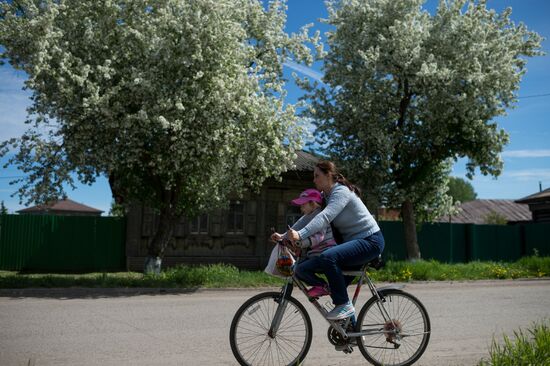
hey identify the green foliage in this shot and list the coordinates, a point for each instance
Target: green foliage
(180, 103)
(460, 190)
(407, 93)
(529, 348)
(224, 276)
(540, 266)
(398, 271)
(212, 276)
(117, 210)
(3, 209)
(495, 218)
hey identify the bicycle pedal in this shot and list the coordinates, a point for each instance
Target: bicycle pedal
(346, 348)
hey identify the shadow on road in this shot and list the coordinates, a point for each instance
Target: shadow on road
(91, 293)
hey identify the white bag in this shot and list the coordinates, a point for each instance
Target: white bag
(271, 268)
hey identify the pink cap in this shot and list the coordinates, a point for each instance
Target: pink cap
(309, 195)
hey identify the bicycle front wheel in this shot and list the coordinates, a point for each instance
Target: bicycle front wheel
(249, 334)
(397, 336)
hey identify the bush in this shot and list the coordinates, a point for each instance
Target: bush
(539, 266)
(529, 349)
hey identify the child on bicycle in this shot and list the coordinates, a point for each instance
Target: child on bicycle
(310, 202)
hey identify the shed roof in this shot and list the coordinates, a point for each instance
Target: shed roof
(476, 211)
(63, 205)
(541, 196)
(305, 161)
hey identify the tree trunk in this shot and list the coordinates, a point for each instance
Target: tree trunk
(409, 226)
(162, 237)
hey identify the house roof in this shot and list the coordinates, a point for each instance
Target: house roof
(476, 211)
(541, 196)
(305, 161)
(64, 205)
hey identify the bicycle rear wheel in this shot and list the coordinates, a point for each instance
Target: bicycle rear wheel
(399, 340)
(253, 346)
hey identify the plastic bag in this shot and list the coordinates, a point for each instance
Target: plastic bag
(280, 262)
(271, 267)
(285, 261)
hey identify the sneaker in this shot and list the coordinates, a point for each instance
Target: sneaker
(341, 312)
(318, 291)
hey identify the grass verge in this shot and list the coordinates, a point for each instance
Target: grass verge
(222, 275)
(530, 348)
(526, 267)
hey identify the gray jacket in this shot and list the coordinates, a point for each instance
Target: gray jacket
(347, 213)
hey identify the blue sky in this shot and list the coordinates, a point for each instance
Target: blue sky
(526, 157)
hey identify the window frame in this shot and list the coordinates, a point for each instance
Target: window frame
(231, 218)
(198, 222)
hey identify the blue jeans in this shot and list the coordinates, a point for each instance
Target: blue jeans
(348, 255)
(306, 271)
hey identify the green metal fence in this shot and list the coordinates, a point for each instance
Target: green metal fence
(62, 243)
(77, 243)
(454, 243)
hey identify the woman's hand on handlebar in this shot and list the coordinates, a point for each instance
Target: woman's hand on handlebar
(292, 235)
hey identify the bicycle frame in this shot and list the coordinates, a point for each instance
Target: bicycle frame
(287, 289)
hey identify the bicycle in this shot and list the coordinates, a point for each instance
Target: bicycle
(274, 328)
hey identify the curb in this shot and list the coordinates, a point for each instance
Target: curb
(83, 292)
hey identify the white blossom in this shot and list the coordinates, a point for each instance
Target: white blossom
(408, 93)
(178, 96)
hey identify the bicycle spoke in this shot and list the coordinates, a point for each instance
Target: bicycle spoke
(251, 343)
(398, 317)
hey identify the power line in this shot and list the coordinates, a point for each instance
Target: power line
(535, 96)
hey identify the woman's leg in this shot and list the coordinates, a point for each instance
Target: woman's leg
(306, 270)
(352, 253)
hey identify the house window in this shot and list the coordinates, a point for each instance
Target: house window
(292, 215)
(235, 218)
(199, 224)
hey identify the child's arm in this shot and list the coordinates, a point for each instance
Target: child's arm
(313, 240)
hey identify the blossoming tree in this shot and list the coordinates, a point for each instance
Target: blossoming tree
(180, 103)
(407, 93)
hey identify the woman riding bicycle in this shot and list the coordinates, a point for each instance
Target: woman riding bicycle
(361, 237)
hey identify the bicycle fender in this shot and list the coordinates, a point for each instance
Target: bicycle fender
(380, 290)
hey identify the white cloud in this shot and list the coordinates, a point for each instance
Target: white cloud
(529, 174)
(526, 154)
(304, 70)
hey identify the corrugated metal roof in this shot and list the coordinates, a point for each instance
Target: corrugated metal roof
(65, 205)
(476, 211)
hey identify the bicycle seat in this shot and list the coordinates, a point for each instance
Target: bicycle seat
(376, 264)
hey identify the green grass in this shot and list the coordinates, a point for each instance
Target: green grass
(530, 348)
(221, 275)
(527, 267)
(210, 276)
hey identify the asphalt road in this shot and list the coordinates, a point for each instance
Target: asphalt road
(78, 327)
